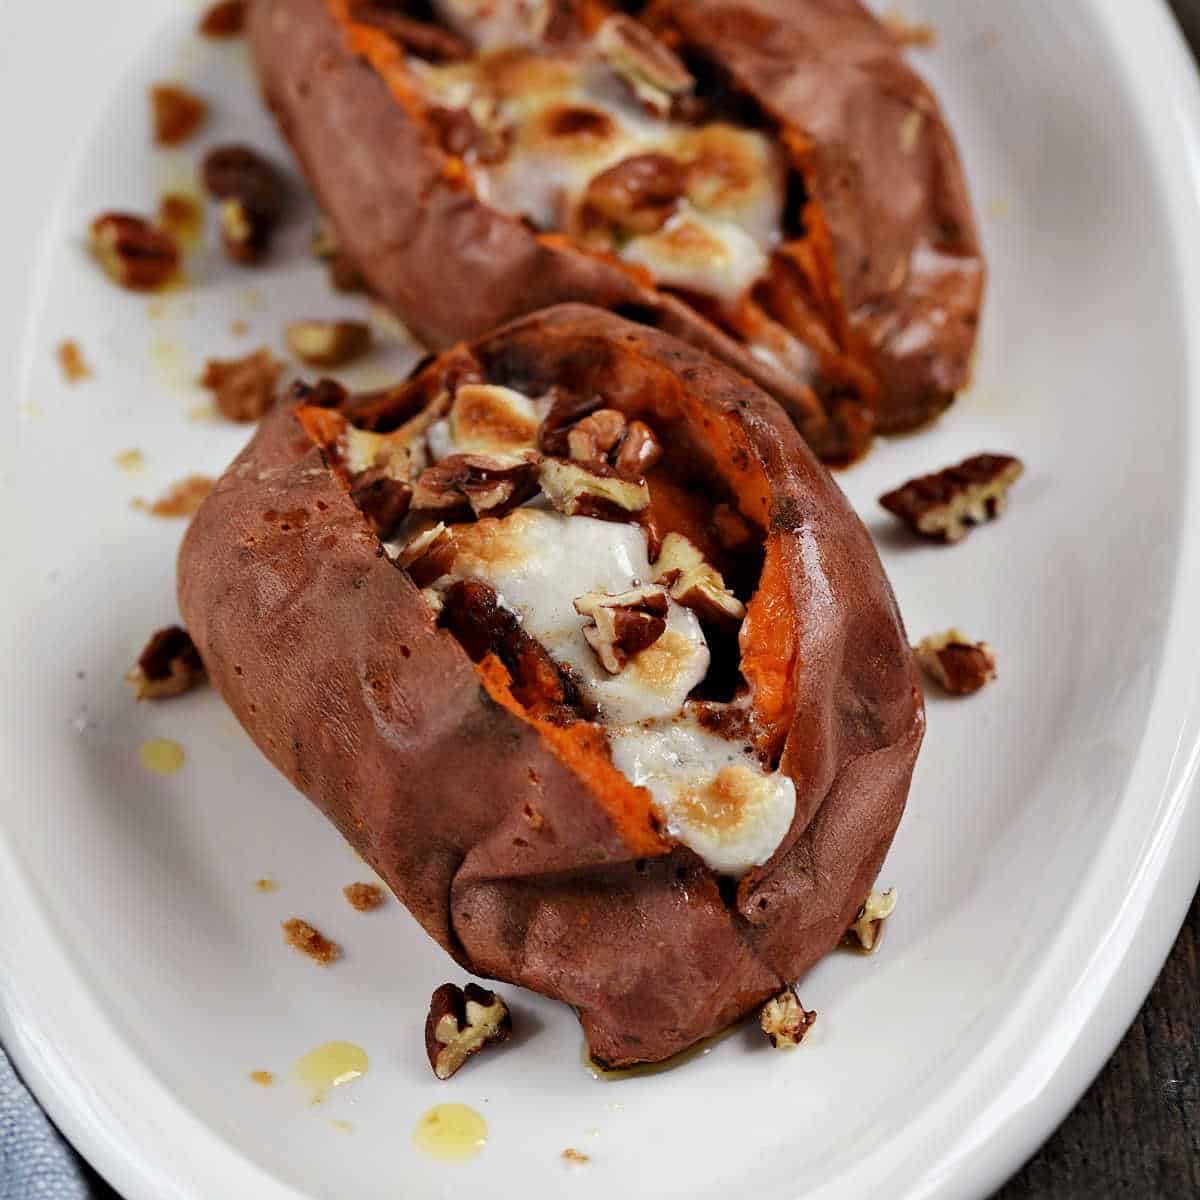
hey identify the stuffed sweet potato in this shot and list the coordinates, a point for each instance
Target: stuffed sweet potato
(581, 648)
(766, 179)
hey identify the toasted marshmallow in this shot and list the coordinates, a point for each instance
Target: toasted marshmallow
(540, 562)
(712, 793)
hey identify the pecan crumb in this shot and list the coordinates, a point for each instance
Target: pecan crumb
(169, 666)
(592, 490)
(328, 343)
(785, 1020)
(225, 19)
(70, 358)
(694, 583)
(959, 665)
(462, 1022)
(909, 33)
(181, 499)
(252, 195)
(176, 113)
(243, 388)
(262, 1078)
(868, 923)
(944, 506)
(489, 484)
(651, 70)
(623, 624)
(300, 935)
(133, 252)
(364, 897)
(575, 1157)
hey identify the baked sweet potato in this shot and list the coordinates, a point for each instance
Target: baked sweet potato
(582, 649)
(766, 179)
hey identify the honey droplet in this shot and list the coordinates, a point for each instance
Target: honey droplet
(262, 1078)
(161, 756)
(450, 1132)
(329, 1066)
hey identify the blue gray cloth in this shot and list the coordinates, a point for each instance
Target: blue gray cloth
(35, 1161)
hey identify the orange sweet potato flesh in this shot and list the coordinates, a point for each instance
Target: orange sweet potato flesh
(893, 270)
(509, 842)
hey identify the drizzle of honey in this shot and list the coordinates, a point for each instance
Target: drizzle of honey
(450, 1132)
(701, 1048)
(262, 1078)
(161, 756)
(329, 1066)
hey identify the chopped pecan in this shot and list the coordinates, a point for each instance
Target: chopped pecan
(959, 665)
(943, 506)
(225, 19)
(302, 936)
(364, 897)
(639, 452)
(179, 214)
(428, 555)
(243, 388)
(384, 501)
(785, 1020)
(635, 196)
(695, 583)
(134, 253)
(176, 113)
(868, 923)
(491, 484)
(252, 195)
(565, 411)
(605, 439)
(328, 343)
(461, 1022)
(623, 623)
(169, 666)
(420, 38)
(649, 67)
(592, 490)
(460, 134)
(596, 435)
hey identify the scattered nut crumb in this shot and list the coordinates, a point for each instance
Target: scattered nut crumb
(133, 252)
(461, 1022)
(176, 112)
(130, 461)
(252, 195)
(364, 897)
(169, 666)
(244, 388)
(328, 343)
(300, 935)
(785, 1020)
(943, 506)
(868, 924)
(181, 215)
(909, 33)
(182, 499)
(575, 1157)
(262, 1078)
(959, 665)
(266, 884)
(225, 19)
(71, 359)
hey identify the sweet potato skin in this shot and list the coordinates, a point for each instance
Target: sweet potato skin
(328, 656)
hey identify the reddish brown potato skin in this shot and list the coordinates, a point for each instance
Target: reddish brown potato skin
(328, 656)
(451, 267)
(884, 170)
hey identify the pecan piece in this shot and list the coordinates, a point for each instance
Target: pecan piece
(639, 452)
(252, 195)
(225, 19)
(635, 196)
(461, 1022)
(785, 1020)
(243, 388)
(169, 666)
(134, 253)
(695, 583)
(328, 343)
(428, 555)
(623, 623)
(653, 71)
(945, 505)
(959, 665)
(460, 134)
(302, 936)
(181, 499)
(868, 923)
(490, 484)
(593, 490)
(596, 435)
(364, 897)
(384, 501)
(419, 38)
(176, 113)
